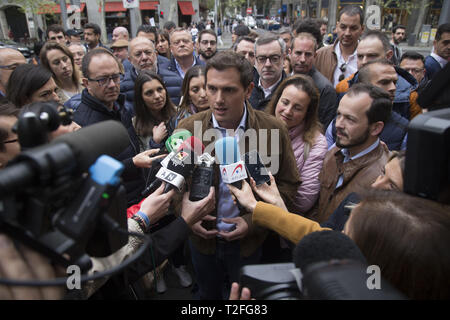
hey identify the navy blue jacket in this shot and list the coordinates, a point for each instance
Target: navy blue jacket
(168, 70)
(172, 80)
(431, 66)
(406, 83)
(91, 111)
(393, 133)
(257, 99)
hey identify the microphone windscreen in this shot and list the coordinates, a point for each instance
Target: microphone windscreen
(176, 139)
(181, 163)
(227, 150)
(192, 144)
(88, 143)
(323, 246)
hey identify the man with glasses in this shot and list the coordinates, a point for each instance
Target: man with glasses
(101, 101)
(142, 55)
(182, 49)
(270, 53)
(303, 54)
(339, 61)
(206, 44)
(414, 63)
(9, 60)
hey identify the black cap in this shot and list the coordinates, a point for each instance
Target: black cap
(74, 32)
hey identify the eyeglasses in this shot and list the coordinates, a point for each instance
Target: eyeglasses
(273, 58)
(211, 42)
(343, 67)
(10, 66)
(138, 54)
(105, 80)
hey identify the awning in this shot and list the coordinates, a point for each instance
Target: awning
(186, 8)
(148, 5)
(57, 8)
(114, 7)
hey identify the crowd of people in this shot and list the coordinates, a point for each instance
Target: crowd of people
(340, 112)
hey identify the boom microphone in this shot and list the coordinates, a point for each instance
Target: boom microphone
(71, 153)
(232, 169)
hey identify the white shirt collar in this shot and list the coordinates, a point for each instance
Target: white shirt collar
(439, 59)
(269, 90)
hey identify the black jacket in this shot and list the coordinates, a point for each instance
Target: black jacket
(257, 99)
(91, 111)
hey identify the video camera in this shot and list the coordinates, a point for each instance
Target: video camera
(64, 198)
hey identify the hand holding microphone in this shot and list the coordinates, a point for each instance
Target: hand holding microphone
(269, 193)
(156, 205)
(232, 169)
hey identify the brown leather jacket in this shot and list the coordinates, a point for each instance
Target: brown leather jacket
(287, 177)
(359, 174)
(326, 61)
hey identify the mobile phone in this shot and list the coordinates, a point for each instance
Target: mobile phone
(256, 168)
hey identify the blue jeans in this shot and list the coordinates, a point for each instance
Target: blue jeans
(215, 272)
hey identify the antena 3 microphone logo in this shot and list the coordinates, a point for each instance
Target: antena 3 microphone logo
(266, 142)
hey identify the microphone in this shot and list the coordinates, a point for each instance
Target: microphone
(232, 169)
(173, 143)
(180, 165)
(334, 268)
(72, 153)
(202, 177)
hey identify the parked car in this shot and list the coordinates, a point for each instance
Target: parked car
(27, 52)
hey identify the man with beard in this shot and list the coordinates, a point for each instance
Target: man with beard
(206, 44)
(100, 101)
(359, 156)
(382, 74)
(398, 35)
(270, 51)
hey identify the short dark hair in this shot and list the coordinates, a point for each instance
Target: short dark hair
(206, 31)
(412, 55)
(445, 27)
(364, 72)
(242, 38)
(95, 27)
(169, 25)
(380, 36)
(309, 26)
(55, 28)
(146, 28)
(241, 30)
(399, 26)
(230, 59)
(25, 80)
(95, 52)
(352, 10)
(381, 107)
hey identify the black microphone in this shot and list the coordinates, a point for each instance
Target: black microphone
(202, 177)
(72, 153)
(181, 165)
(334, 268)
